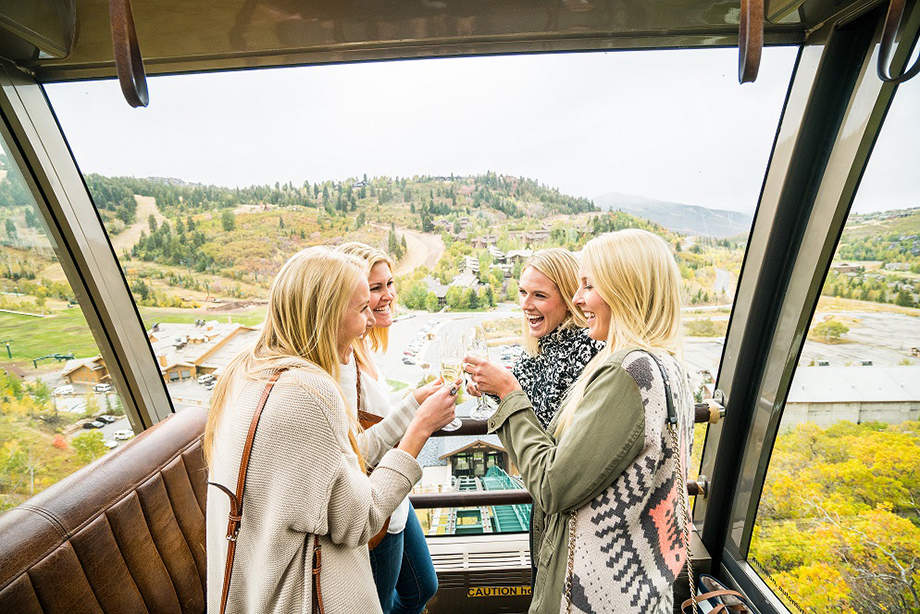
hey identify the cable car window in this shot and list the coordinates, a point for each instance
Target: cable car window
(459, 168)
(836, 527)
(58, 408)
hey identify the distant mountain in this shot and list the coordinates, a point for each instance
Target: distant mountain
(689, 219)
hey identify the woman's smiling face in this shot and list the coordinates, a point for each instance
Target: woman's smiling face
(596, 311)
(383, 293)
(543, 305)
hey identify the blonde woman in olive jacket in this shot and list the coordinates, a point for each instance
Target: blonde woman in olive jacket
(608, 508)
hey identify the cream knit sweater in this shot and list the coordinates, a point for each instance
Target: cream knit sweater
(303, 480)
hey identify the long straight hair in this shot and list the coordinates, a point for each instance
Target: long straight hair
(305, 306)
(561, 267)
(377, 337)
(635, 273)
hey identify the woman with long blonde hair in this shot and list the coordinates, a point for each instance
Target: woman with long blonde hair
(556, 342)
(403, 571)
(606, 475)
(305, 489)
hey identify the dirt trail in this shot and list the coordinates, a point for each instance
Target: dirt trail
(146, 206)
(423, 249)
(125, 240)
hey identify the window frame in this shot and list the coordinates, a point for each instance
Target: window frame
(834, 111)
(38, 148)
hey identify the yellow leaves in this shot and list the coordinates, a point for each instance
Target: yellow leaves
(834, 524)
(819, 586)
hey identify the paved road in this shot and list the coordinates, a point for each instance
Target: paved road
(410, 327)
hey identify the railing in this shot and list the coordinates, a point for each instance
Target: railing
(708, 411)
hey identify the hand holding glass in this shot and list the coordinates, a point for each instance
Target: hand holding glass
(450, 356)
(477, 345)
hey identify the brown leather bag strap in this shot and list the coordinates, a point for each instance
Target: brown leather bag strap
(705, 596)
(235, 516)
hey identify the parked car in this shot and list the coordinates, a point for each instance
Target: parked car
(209, 385)
(106, 418)
(122, 435)
(207, 377)
(95, 424)
(102, 388)
(110, 443)
(408, 361)
(65, 389)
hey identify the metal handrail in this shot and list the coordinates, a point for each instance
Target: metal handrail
(708, 411)
(504, 497)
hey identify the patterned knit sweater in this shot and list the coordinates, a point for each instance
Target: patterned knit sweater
(629, 545)
(304, 480)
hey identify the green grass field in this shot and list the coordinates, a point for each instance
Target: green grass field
(66, 331)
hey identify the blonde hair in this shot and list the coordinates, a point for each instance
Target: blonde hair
(306, 303)
(378, 337)
(635, 273)
(561, 267)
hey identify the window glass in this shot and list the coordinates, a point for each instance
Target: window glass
(837, 525)
(58, 408)
(459, 188)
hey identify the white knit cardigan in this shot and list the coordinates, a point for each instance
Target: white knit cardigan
(303, 480)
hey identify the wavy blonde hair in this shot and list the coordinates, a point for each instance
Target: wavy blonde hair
(561, 267)
(635, 273)
(306, 303)
(378, 337)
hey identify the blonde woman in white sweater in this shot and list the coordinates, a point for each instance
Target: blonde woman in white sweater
(306, 485)
(403, 571)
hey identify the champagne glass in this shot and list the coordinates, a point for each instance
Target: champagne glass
(450, 356)
(477, 345)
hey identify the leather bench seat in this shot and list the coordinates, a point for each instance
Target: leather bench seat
(125, 534)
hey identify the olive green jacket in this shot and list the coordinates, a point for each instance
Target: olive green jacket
(605, 436)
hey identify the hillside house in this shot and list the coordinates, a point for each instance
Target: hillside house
(845, 267)
(85, 371)
(185, 351)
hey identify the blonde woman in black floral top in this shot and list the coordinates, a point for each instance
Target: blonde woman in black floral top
(557, 346)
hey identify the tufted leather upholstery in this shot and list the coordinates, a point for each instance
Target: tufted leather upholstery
(124, 534)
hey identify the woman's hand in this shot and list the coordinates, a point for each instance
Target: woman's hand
(435, 412)
(489, 377)
(423, 392)
(438, 409)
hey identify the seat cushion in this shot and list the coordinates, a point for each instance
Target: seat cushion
(123, 534)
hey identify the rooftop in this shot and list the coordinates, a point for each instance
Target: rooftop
(855, 384)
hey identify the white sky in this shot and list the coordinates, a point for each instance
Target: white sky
(672, 125)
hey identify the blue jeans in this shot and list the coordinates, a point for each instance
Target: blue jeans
(403, 572)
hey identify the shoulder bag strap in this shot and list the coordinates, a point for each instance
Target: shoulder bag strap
(365, 418)
(235, 517)
(673, 428)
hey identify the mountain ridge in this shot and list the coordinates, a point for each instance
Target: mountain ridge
(678, 217)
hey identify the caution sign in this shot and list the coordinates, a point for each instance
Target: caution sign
(498, 591)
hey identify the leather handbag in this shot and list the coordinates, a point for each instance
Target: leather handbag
(716, 598)
(367, 420)
(235, 517)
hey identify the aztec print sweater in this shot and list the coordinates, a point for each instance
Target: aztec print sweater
(615, 467)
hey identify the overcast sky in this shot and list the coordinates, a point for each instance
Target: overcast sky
(671, 125)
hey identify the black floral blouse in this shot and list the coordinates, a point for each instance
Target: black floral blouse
(547, 376)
